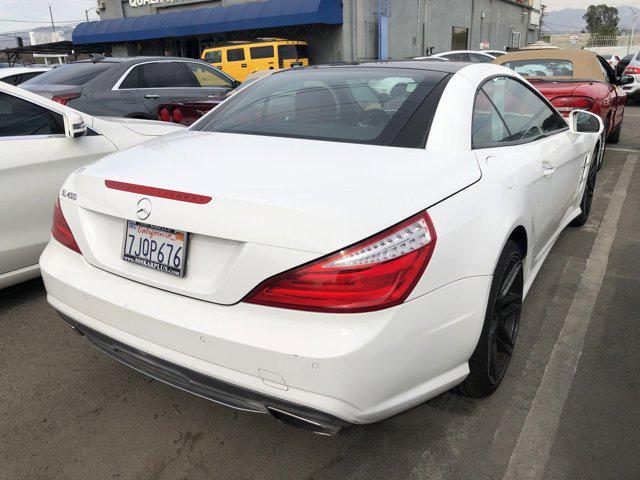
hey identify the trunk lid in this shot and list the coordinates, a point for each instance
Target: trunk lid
(552, 89)
(276, 202)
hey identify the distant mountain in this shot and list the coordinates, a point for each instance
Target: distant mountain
(570, 20)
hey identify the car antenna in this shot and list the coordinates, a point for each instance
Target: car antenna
(95, 58)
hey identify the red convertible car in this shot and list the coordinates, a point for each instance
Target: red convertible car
(575, 80)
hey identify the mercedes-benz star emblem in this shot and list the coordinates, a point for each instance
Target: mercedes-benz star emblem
(144, 209)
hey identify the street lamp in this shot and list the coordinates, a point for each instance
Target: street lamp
(86, 12)
(633, 28)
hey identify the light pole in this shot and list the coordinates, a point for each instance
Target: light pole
(86, 12)
(633, 28)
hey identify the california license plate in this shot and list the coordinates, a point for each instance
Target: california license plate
(154, 247)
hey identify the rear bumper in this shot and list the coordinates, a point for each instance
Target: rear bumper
(633, 89)
(331, 369)
(206, 387)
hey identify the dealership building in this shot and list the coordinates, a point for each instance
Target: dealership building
(336, 30)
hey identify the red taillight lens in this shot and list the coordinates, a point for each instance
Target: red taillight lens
(60, 229)
(565, 105)
(65, 98)
(376, 273)
(629, 70)
(177, 116)
(164, 115)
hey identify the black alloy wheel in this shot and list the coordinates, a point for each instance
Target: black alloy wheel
(587, 196)
(503, 328)
(489, 362)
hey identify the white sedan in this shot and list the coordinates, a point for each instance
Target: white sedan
(41, 142)
(324, 251)
(18, 75)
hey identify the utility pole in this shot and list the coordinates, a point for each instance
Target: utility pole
(633, 29)
(53, 27)
(543, 11)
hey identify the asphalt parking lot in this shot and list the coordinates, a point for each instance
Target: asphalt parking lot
(568, 408)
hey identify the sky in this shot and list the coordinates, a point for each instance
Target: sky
(27, 14)
(560, 4)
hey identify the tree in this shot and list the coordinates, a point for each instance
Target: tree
(602, 20)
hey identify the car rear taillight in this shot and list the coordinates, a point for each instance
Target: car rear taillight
(60, 229)
(566, 105)
(65, 98)
(177, 116)
(631, 70)
(164, 115)
(376, 273)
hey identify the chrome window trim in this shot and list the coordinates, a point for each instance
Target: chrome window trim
(117, 88)
(32, 137)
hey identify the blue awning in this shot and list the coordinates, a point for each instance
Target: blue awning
(201, 21)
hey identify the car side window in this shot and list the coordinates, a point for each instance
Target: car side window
(214, 56)
(165, 75)
(235, 54)
(458, 57)
(488, 128)
(261, 52)
(526, 116)
(21, 118)
(477, 58)
(12, 79)
(208, 77)
(132, 80)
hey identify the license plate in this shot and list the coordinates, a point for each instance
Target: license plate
(154, 247)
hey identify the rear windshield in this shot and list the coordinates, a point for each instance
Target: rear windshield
(71, 74)
(542, 68)
(353, 104)
(292, 52)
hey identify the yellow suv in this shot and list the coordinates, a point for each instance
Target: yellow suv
(239, 59)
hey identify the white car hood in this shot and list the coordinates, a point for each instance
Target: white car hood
(307, 195)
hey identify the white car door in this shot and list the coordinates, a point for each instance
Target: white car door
(542, 138)
(36, 157)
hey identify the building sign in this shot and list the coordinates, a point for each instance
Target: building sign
(40, 37)
(140, 3)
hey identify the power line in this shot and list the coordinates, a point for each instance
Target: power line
(40, 21)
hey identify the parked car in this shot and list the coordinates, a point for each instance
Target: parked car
(633, 69)
(466, 56)
(129, 87)
(239, 59)
(41, 143)
(624, 61)
(612, 60)
(575, 80)
(186, 113)
(18, 75)
(356, 259)
(494, 53)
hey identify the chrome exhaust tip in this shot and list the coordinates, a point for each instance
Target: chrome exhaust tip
(305, 423)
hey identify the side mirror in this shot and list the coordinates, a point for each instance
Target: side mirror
(626, 79)
(74, 126)
(585, 123)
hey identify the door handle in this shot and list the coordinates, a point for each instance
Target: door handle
(152, 96)
(244, 65)
(547, 169)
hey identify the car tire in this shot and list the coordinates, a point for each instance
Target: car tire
(488, 363)
(615, 135)
(587, 196)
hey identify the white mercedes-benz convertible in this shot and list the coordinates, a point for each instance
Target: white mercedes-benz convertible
(333, 245)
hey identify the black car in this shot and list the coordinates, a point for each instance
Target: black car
(130, 87)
